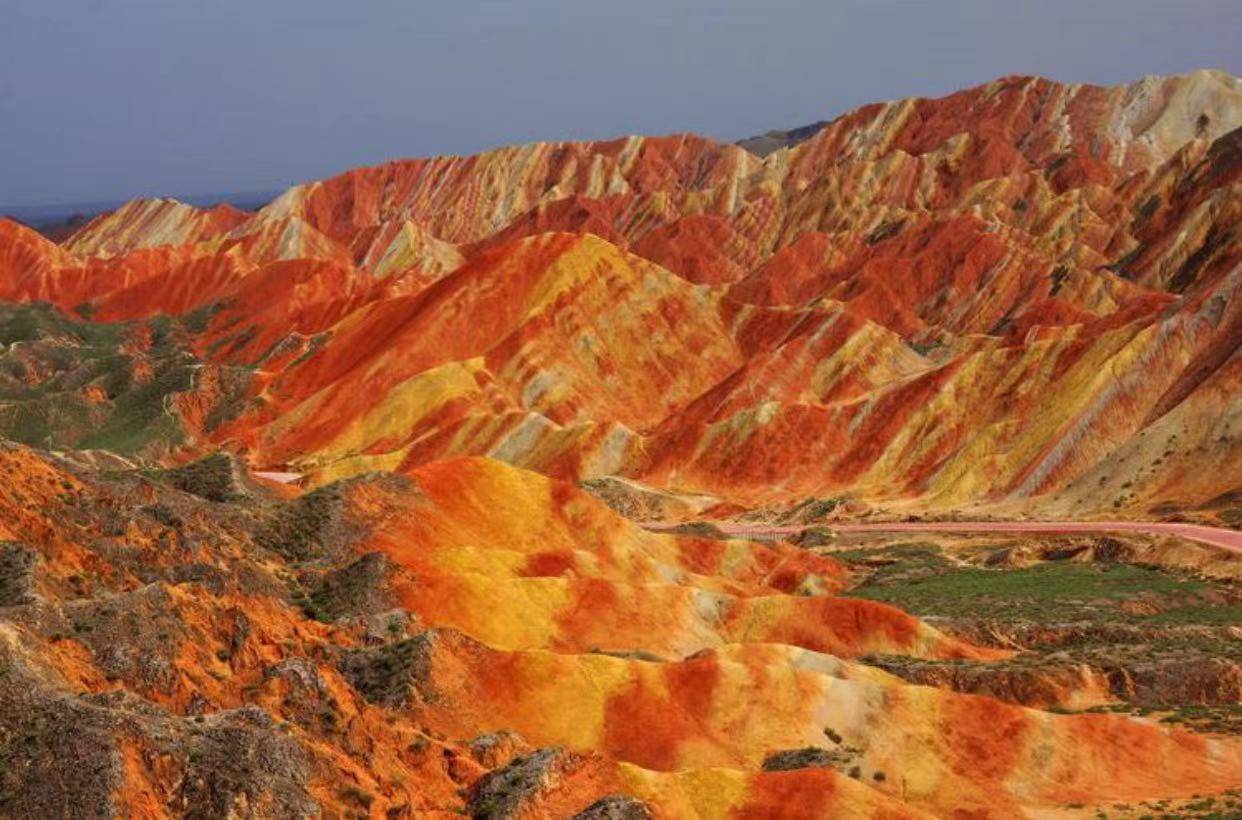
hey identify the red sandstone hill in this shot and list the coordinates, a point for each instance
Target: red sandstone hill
(470, 637)
(1022, 295)
(981, 298)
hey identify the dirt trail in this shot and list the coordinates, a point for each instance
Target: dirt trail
(1215, 536)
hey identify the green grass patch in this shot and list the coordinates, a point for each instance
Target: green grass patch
(924, 582)
(39, 320)
(73, 358)
(1222, 718)
(140, 415)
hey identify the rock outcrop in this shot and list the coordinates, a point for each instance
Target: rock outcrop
(1022, 290)
(293, 519)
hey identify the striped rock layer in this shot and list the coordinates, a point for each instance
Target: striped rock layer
(998, 296)
(472, 617)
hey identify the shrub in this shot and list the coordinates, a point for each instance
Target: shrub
(699, 529)
(296, 531)
(210, 478)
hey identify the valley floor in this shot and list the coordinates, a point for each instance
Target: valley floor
(1216, 536)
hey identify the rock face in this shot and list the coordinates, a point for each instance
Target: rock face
(763, 144)
(541, 657)
(1019, 290)
(1025, 293)
(1025, 290)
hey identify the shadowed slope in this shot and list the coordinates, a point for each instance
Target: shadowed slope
(566, 327)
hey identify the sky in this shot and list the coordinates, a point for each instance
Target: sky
(112, 99)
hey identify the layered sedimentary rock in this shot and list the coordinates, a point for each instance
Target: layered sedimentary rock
(472, 637)
(383, 590)
(985, 298)
(146, 223)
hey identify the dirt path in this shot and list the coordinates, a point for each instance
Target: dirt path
(1215, 536)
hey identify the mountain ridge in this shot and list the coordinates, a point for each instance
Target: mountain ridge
(982, 215)
(333, 508)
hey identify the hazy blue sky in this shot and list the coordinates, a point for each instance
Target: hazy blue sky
(106, 99)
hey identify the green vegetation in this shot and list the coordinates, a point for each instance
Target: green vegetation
(923, 348)
(67, 383)
(390, 674)
(316, 343)
(38, 320)
(199, 320)
(1159, 637)
(164, 515)
(1224, 806)
(140, 414)
(1059, 274)
(17, 562)
(842, 758)
(887, 230)
(1224, 718)
(502, 792)
(812, 537)
(791, 759)
(26, 424)
(299, 597)
(699, 529)
(232, 342)
(814, 509)
(296, 531)
(357, 796)
(354, 589)
(210, 478)
(922, 581)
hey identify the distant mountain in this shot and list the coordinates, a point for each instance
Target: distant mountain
(59, 221)
(764, 144)
(293, 519)
(835, 296)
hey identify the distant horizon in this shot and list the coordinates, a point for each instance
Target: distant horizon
(52, 211)
(56, 211)
(111, 100)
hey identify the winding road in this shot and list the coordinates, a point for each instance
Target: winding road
(1215, 536)
(1230, 540)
